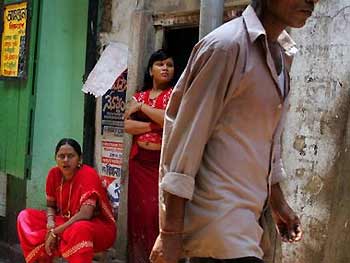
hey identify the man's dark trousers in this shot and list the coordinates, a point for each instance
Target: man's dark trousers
(233, 260)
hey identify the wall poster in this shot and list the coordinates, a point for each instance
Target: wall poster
(112, 131)
(14, 41)
(111, 169)
(113, 108)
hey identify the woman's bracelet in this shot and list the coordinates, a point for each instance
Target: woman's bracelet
(52, 233)
(50, 213)
(50, 225)
(171, 233)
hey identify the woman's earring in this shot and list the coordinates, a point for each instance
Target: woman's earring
(79, 165)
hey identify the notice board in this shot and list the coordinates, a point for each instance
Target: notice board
(14, 41)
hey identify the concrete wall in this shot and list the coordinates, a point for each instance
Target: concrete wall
(115, 27)
(313, 149)
(186, 5)
(120, 15)
(175, 5)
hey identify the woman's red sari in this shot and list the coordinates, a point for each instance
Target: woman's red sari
(143, 221)
(79, 241)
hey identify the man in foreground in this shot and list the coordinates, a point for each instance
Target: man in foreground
(221, 164)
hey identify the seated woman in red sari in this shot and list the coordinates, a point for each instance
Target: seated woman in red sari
(144, 119)
(78, 220)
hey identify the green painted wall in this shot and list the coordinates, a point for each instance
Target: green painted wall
(59, 73)
(16, 103)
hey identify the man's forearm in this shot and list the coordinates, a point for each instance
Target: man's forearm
(277, 198)
(288, 223)
(172, 212)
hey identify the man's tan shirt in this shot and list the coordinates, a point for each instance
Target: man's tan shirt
(221, 139)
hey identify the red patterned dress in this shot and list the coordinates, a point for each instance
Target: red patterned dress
(143, 220)
(79, 241)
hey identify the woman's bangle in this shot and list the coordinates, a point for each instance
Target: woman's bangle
(52, 233)
(50, 226)
(171, 233)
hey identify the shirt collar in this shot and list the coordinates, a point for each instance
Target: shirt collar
(253, 24)
(287, 43)
(256, 29)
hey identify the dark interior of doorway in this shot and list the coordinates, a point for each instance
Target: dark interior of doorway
(179, 42)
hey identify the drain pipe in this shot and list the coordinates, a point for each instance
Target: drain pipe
(211, 16)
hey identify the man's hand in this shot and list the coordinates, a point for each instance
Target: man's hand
(167, 249)
(168, 246)
(287, 222)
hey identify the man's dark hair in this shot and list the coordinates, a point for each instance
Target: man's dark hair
(159, 55)
(257, 5)
(254, 2)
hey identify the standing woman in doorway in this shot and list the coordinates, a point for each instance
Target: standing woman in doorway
(144, 120)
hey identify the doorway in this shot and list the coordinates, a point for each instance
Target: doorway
(179, 42)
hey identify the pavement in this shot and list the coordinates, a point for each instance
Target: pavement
(10, 253)
(13, 254)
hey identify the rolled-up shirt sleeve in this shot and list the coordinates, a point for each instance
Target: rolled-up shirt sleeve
(191, 115)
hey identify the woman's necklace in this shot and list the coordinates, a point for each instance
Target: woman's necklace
(153, 95)
(67, 214)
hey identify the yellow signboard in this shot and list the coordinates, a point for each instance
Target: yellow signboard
(13, 44)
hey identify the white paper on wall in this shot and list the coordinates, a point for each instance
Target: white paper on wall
(112, 63)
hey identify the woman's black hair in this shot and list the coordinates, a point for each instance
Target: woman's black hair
(70, 142)
(159, 55)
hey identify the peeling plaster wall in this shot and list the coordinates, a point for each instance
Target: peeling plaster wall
(315, 130)
(120, 14)
(175, 5)
(186, 5)
(116, 20)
